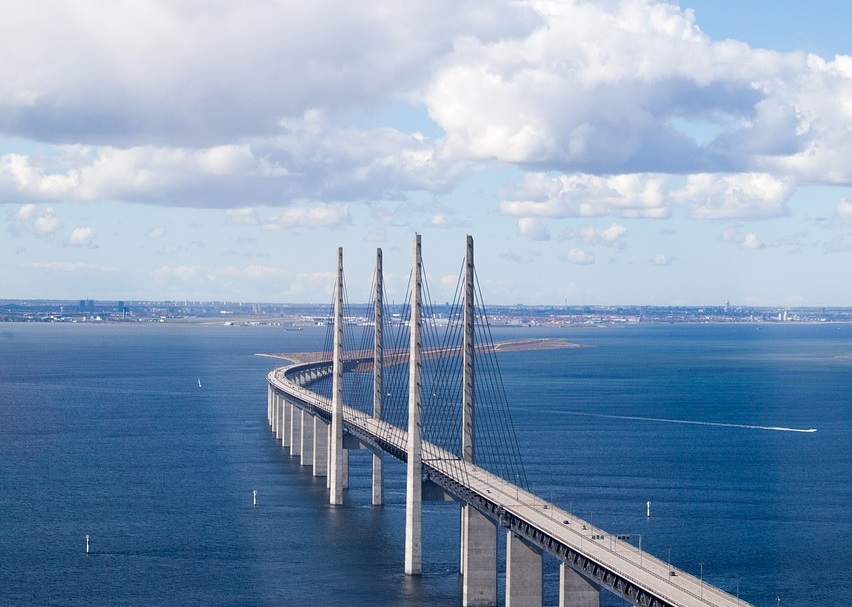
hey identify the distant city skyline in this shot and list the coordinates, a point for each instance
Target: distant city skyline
(624, 152)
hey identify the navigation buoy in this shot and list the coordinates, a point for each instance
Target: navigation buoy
(648, 509)
(254, 498)
(87, 544)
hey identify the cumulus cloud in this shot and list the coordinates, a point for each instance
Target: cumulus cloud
(25, 212)
(301, 158)
(596, 101)
(752, 242)
(844, 210)
(155, 233)
(614, 88)
(318, 215)
(47, 223)
(216, 72)
(246, 216)
(81, 237)
(67, 266)
(661, 259)
(584, 195)
(180, 272)
(579, 257)
(524, 258)
(613, 236)
(748, 241)
(41, 220)
(533, 228)
(254, 272)
(748, 195)
(446, 220)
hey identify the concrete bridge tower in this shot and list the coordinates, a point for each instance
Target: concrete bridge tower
(414, 476)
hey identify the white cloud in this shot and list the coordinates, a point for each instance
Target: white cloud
(579, 257)
(254, 272)
(245, 216)
(179, 272)
(446, 220)
(318, 215)
(844, 210)
(66, 266)
(204, 73)
(752, 242)
(81, 237)
(525, 258)
(661, 259)
(533, 228)
(25, 212)
(748, 195)
(302, 158)
(613, 236)
(541, 195)
(608, 88)
(748, 241)
(582, 88)
(155, 233)
(46, 222)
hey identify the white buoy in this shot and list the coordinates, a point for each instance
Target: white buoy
(648, 509)
(254, 498)
(87, 544)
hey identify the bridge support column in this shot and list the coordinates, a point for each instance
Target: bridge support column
(278, 403)
(523, 573)
(269, 404)
(307, 440)
(378, 481)
(575, 590)
(320, 451)
(336, 459)
(295, 431)
(285, 420)
(273, 422)
(344, 468)
(479, 559)
(414, 463)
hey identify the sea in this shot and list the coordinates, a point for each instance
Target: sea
(125, 482)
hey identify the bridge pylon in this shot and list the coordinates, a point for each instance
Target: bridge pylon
(337, 456)
(414, 464)
(478, 532)
(378, 376)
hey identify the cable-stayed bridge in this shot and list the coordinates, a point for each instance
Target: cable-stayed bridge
(426, 391)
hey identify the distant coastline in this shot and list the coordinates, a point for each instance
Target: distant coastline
(295, 316)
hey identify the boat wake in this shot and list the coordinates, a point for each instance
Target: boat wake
(691, 422)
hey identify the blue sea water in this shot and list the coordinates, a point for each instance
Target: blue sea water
(105, 432)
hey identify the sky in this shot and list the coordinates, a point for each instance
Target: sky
(603, 152)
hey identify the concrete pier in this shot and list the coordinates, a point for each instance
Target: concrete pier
(307, 439)
(575, 590)
(378, 376)
(336, 463)
(414, 448)
(286, 417)
(295, 431)
(479, 559)
(283, 431)
(320, 450)
(523, 573)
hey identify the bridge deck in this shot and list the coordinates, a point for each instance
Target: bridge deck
(634, 573)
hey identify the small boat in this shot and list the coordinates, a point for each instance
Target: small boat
(199, 382)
